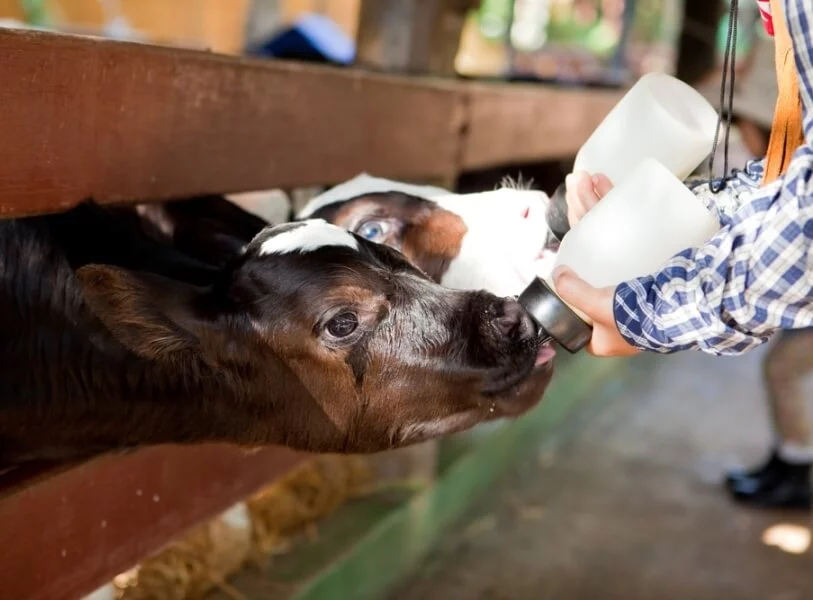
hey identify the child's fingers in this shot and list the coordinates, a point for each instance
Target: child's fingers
(585, 193)
(602, 185)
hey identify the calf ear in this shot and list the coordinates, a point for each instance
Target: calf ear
(148, 314)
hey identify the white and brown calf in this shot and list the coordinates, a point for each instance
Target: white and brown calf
(496, 240)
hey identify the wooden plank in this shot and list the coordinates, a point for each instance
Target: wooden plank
(128, 122)
(529, 123)
(118, 121)
(70, 530)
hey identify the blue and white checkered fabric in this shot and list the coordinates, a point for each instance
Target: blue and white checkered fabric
(756, 275)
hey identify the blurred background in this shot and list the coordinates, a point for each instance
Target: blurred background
(577, 41)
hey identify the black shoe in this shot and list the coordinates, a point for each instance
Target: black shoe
(774, 463)
(776, 484)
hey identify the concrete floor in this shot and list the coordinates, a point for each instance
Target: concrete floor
(630, 508)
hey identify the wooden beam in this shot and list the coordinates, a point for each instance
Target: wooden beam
(69, 530)
(511, 124)
(125, 122)
(120, 121)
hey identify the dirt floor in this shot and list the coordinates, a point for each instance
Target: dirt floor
(631, 507)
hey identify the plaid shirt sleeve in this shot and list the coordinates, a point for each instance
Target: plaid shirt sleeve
(755, 275)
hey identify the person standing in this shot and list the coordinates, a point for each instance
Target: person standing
(751, 281)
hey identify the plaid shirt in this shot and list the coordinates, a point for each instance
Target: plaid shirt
(755, 276)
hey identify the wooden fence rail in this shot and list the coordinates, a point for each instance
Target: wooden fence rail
(116, 121)
(68, 530)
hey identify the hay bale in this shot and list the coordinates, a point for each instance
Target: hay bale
(294, 503)
(263, 525)
(192, 566)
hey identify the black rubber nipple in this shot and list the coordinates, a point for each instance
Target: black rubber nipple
(556, 320)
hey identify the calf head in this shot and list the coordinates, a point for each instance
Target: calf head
(497, 240)
(319, 339)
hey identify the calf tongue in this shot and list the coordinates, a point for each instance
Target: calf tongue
(544, 354)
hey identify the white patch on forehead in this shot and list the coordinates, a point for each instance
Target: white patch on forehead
(366, 184)
(309, 236)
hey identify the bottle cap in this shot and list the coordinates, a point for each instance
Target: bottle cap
(555, 318)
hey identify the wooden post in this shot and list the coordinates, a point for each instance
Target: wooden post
(446, 34)
(697, 44)
(410, 36)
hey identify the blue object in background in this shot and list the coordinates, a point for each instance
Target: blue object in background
(314, 38)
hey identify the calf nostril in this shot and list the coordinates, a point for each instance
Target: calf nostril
(513, 322)
(526, 213)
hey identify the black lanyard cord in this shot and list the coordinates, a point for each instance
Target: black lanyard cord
(729, 72)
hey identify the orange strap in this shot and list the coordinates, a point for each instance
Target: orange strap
(786, 130)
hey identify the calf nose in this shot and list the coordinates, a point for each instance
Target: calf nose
(513, 321)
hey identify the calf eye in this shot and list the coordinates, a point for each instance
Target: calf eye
(342, 324)
(374, 230)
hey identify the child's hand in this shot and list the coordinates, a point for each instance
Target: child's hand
(583, 193)
(596, 303)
